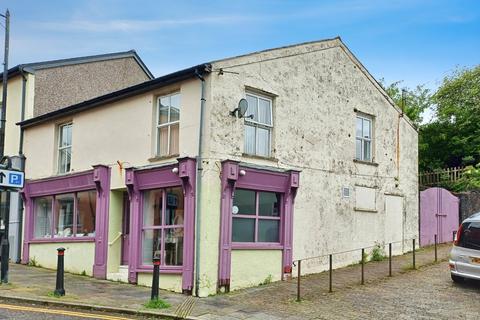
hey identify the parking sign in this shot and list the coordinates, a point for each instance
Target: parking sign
(11, 179)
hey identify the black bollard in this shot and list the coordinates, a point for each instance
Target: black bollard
(155, 279)
(413, 254)
(59, 287)
(363, 267)
(390, 259)
(330, 273)
(298, 279)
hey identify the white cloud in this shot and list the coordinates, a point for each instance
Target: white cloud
(137, 25)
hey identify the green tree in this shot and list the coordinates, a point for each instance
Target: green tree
(413, 101)
(453, 138)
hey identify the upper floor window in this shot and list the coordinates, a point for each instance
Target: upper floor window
(258, 128)
(168, 125)
(64, 147)
(363, 143)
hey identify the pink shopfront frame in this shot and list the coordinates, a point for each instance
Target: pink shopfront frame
(139, 180)
(242, 176)
(97, 179)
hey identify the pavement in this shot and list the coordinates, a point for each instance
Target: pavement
(379, 298)
(24, 311)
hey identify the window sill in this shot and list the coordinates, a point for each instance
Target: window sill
(163, 269)
(256, 246)
(369, 163)
(53, 240)
(253, 156)
(365, 210)
(160, 158)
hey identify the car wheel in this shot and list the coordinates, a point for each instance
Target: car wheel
(457, 279)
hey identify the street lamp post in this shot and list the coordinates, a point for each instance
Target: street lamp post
(5, 245)
(3, 118)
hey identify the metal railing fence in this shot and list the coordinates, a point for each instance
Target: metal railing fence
(362, 250)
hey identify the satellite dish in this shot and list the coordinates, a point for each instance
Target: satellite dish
(242, 108)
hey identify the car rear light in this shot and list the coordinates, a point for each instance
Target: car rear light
(451, 266)
(458, 235)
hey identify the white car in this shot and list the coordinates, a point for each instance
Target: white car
(465, 255)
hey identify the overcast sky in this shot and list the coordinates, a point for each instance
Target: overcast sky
(415, 41)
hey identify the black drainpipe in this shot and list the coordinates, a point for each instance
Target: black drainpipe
(22, 168)
(198, 186)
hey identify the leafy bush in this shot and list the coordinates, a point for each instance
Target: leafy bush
(470, 180)
(377, 253)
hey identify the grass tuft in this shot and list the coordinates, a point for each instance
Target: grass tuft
(53, 294)
(157, 304)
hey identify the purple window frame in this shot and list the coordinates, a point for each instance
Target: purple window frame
(257, 244)
(162, 177)
(163, 266)
(235, 176)
(97, 179)
(74, 237)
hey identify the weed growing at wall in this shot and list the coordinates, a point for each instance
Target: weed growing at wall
(378, 254)
(34, 263)
(267, 280)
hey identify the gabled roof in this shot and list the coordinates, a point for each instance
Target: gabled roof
(201, 69)
(32, 67)
(338, 43)
(198, 70)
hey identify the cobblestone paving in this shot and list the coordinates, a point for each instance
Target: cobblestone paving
(426, 293)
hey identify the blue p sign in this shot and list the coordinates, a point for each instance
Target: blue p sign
(15, 178)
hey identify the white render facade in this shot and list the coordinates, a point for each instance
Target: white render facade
(312, 96)
(318, 90)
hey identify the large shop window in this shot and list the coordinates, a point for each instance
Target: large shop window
(65, 216)
(168, 124)
(163, 214)
(258, 127)
(256, 216)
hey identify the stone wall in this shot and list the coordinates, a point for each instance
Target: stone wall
(469, 203)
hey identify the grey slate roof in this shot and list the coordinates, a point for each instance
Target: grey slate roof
(198, 70)
(31, 67)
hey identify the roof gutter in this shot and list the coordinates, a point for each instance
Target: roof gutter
(118, 95)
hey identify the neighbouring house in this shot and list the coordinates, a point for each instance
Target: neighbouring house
(322, 161)
(39, 88)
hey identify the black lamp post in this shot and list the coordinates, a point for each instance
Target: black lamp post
(5, 246)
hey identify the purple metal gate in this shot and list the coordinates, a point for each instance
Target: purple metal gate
(438, 215)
